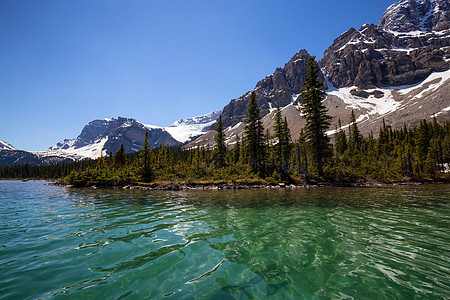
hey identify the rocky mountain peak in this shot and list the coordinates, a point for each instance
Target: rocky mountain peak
(411, 41)
(416, 15)
(279, 88)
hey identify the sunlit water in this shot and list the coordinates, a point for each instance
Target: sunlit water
(318, 243)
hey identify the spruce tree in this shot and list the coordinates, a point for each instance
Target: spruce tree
(254, 131)
(221, 148)
(278, 134)
(286, 144)
(355, 135)
(340, 139)
(119, 157)
(237, 150)
(146, 171)
(317, 119)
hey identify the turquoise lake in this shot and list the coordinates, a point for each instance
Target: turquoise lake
(307, 243)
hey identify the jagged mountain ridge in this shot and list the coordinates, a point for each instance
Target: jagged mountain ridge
(411, 41)
(416, 15)
(280, 88)
(372, 71)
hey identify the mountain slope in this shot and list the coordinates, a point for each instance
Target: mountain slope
(6, 146)
(185, 130)
(397, 70)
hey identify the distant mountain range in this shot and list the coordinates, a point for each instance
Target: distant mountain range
(398, 70)
(100, 137)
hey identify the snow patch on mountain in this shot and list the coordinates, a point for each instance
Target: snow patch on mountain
(6, 146)
(184, 130)
(387, 103)
(432, 83)
(93, 150)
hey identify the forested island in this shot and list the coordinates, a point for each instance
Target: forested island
(258, 158)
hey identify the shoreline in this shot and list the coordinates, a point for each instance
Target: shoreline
(240, 186)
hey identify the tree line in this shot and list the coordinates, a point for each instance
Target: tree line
(418, 153)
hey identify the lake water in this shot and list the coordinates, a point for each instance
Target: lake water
(316, 243)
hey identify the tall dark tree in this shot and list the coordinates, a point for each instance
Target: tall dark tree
(286, 145)
(278, 134)
(237, 150)
(317, 119)
(340, 139)
(254, 132)
(220, 147)
(355, 135)
(146, 172)
(119, 157)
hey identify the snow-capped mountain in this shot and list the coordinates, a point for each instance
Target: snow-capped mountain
(6, 146)
(184, 130)
(397, 70)
(100, 137)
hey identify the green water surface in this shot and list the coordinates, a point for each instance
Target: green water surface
(317, 243)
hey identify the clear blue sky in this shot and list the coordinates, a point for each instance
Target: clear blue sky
(65, 63)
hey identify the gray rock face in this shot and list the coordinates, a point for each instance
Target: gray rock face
(411, 41)
(416, 15)
(117, 130)
(279, 88)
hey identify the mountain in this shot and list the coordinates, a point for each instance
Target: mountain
(397, 70)
(11, 156)
(280, 88)
(6, 146)
(100, 137)
(185, 130)
(410, 42)
(104, 136)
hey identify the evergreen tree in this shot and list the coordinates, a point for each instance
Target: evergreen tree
(355, 135)
(317, 119)
(221, 148)
(237, 150)
(340, 139)
(278, 134)
(303, 156)
(146, 172)
(254, 135)
(120, 157)
(286, 145)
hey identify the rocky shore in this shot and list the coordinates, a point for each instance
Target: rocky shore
(241, 186)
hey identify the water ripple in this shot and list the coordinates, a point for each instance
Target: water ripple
(390, 243)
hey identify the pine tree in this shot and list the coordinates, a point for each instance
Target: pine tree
(254, 131)
(355, 135)
(237, 150)
(340, 139)
(146, 171)
(317, 119)
(278, 134)
(286, 145)
(221, 148)
(119, 157)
